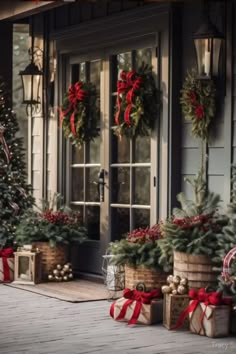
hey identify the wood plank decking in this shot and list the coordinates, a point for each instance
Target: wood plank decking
(35, 324)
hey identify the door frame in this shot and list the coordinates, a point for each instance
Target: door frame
(125, 27)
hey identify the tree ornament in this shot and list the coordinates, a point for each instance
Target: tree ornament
(79, 114)
(136, 103)
(198, 103)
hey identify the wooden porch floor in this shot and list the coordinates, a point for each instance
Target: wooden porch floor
(35, 324)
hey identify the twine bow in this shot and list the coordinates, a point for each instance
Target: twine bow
(134, 295)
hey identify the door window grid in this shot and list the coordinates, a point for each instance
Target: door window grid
(85, 162)
(128, 61)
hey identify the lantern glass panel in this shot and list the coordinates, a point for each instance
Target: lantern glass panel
(31, 87)
(24, 268)
(216, 55)
(204, 51)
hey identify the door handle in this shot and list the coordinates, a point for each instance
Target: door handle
(101, 184)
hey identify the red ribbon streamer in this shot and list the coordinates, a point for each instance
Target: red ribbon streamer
(134, 295)
(128, 84)
(4, 144)
(75, 94)
(212, 298)
(6, 253)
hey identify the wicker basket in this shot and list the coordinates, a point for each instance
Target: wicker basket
(151, 278)
(197, 269)
(51, 256)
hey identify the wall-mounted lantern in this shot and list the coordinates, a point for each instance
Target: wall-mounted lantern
(31, 77)
(208, 43)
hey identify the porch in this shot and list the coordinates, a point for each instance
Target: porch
(35, 324)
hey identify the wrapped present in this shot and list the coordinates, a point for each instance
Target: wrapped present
(209, 313)
(138, 307)
(173, 307)
(6, 265)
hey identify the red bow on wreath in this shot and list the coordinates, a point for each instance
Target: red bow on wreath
(75, 94)
(129, 83)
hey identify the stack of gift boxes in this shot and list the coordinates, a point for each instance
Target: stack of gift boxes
(177, 307)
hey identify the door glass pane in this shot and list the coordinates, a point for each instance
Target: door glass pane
(142, 149)
(120, 223)
(120, 150)
(124, 62)
(92, 194)
(93, 222)
(77, 178)
(121, 185)
(82, 72)
(95, 72)
(141, 182)
(94, 150)
(141, 218)
(77, 155)
(143, 56)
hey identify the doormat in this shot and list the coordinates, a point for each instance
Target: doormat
(73, 291)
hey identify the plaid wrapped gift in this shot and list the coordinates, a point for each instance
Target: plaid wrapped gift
(138, 307)
(6, 265)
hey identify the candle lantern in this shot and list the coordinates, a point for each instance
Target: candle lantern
(208, 42)
(114, 275)
(27, 267)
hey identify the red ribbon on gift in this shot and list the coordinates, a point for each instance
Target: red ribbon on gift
(128, 84)
(6, 253)
(76, 94)
(211, 298)
(134, 295)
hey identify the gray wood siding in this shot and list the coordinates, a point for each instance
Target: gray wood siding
(216, 163)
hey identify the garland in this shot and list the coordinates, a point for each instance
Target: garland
(136, 103)
(198, 103)
(79, 115)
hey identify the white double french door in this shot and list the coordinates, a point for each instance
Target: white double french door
(112, 182)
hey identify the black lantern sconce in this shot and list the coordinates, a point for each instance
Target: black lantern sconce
(31, 79)
(208, 42)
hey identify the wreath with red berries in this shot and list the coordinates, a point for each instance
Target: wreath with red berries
(136, 103)
(198, 101)
(79, 114)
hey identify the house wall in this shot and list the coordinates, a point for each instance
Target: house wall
(218, 153)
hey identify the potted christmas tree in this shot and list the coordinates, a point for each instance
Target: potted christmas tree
(139, 252)
(51, 230)
(191, 233)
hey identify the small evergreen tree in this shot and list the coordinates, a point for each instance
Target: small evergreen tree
(227, 241)
(193, 228)
(15, 195)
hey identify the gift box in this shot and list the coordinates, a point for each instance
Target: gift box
(137, 307)
(6, 265)
(173, 307)
(209, 320)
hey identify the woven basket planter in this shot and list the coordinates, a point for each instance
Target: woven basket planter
(51, 256)
(197, 269)
(151, 278)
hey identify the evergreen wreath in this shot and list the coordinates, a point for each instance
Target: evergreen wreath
(136, 103)
(79, 114)
(198, 103)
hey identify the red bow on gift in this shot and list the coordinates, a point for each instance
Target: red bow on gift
(212, 298)
(6, 253)
(134, 295)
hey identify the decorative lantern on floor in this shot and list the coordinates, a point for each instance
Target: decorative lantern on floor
(27, 266)
(114, 275)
